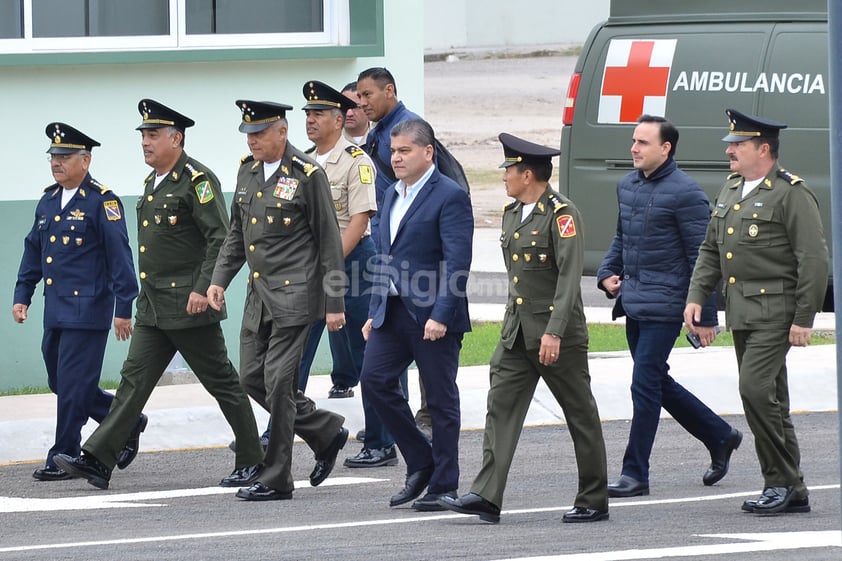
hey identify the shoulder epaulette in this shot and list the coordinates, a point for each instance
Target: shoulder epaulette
(355, 151)
(246, 159)
(310, 150)
(792, 179)
(102, 188)
(194, 173)
(556, 202)
(149, 177)
(732, 176)
(49, 188)
(306, 167)
(509, 206)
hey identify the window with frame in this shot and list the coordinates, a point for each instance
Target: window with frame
(101, 25)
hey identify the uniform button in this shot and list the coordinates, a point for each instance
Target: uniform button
(256, 275)
(762, 291)
(732, 280)
(73, 227)
(75, 293)
(145, 223)
(240, 200)
(737, 206)
(730, 230)
(259, 195)
(552, 308)
(57, 218)
(254, 220)
(172, 284)
(251, 248)
(142, 275)
(516, 236)
(754, 215)
(515, 257)
(514, 280)
(534, 243)
(150, 198)
(286, 282)
(278, 205)
(52, 239)
(729, 255)
(49, 282)
(142, 249)
(49, 259)
(519, 301)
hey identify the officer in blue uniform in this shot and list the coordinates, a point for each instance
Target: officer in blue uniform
(80, 248)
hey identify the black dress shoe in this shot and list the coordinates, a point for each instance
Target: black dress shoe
(241, 477)
(429, 502)
(260, 492)
(51, 473)
(373, 458)
(415, 484)
(132, 446)
(721, 458)
(628, 487)
(473, 504)
(582, 514)
(340, 392)
(86, 467)
(773, 500)
(327, 459)
(795, 506)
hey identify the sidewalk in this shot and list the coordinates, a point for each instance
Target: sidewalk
(186, 416)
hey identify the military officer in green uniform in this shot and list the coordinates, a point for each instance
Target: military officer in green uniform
(765, 240)
(284, 226)
(182, 222)
(544, 335)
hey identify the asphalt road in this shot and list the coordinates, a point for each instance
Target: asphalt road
(166, 507)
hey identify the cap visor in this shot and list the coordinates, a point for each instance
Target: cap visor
(59, 150)
(736, 138)
(254, 127)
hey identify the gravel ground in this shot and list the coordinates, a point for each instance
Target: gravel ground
(471, 100)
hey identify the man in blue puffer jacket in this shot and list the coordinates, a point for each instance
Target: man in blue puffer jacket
(662, 221)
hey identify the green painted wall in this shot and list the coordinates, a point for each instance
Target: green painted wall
(99, 95)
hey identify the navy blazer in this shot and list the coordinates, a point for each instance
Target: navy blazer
(430, 258)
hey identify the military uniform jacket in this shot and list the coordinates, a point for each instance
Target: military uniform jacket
(82, 252)
(544, 257)
(351, 174)
(769, 249)
(285, 228)
(181, 225)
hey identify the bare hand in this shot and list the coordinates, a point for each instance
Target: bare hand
(548, 353)
(19, 312)
(123, 328)
(707, 334)
(335, 321)
(367, 328)
(433, 330)
(692, 316)
(612, 285)
(800, 336)
(216, 297)
(196, 303)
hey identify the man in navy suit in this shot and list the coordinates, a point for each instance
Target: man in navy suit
(419, 311)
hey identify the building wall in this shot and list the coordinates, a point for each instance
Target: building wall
(456, 24)
(101, 100)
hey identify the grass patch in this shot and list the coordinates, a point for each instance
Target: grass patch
(479, 345)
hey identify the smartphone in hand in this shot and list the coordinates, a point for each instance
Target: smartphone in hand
(693, 338)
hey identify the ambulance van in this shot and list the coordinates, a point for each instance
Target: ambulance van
(688, 61)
